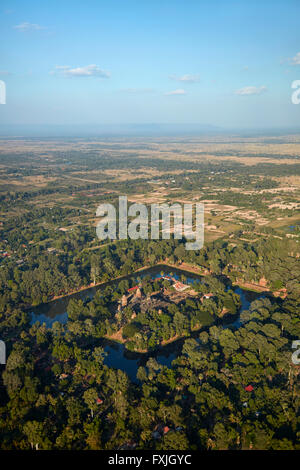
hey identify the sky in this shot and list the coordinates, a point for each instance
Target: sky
(225, 63)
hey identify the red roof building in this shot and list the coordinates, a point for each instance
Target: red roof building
(208, 296)
(99, 401)
(249, 388)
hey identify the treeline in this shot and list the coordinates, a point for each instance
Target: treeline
(45, 275)
(228, 389)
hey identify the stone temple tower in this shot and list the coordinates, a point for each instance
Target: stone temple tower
(124, 301)
(138, 293)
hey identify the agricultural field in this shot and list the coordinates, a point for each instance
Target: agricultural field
(244, 183)
(142, 344)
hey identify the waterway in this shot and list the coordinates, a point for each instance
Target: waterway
(117, 355)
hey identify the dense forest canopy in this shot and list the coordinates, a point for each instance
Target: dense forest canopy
(231, 384)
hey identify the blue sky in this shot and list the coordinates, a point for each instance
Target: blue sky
(227, 63)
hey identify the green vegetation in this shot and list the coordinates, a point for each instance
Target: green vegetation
(59, 394)
(227, 387)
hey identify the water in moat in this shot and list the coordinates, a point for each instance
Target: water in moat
(117, 355)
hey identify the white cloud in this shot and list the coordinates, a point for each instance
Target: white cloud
(251, 90)
(25, 27)
(176, 92)
(295, 60)
(186, 78)
(86, 71)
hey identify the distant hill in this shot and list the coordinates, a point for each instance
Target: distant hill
(151, 129)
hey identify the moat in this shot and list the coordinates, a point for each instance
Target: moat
(117, 355)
